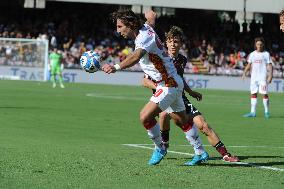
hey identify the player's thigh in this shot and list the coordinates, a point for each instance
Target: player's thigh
(53, 71)
(177, 103)
(164, 120)
(164, 97)
(254, 87)
(177, 110)
(199, 121)
(180, 118)
(149, 112)
(263, 88)
(58, 70)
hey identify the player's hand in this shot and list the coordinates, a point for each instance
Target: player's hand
(196, 95)
(269, 79)
(243, 76)
(107, 68)
(150, 15)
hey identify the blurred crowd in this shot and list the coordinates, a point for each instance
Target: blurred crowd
(217, 44)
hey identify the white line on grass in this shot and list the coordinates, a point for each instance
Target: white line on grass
(184, 153)
(146, 147)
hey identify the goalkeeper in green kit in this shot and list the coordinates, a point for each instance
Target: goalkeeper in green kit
(56, 67)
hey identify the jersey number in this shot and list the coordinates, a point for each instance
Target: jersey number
(158, 92)
(191, 109)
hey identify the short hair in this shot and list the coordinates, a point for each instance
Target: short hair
(175, 31)
(127, 17)
(281, 13)
(259, 39)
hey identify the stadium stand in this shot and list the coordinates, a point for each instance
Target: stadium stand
(213, 45)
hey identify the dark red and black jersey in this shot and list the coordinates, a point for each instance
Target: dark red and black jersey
(180, 63)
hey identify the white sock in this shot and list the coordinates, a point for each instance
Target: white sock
(266, 104)
(195, 141)
(253, 102)
(155, 135)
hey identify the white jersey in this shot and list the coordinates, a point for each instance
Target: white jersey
(156, 62)
(259, 62)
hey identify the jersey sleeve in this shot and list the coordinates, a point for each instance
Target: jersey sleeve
(180, 64)
(268, 58)
(145, 41)
(249, 60)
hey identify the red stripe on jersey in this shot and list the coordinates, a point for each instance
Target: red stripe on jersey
(159, 65)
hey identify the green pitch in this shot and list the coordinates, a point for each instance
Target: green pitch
(73, 138)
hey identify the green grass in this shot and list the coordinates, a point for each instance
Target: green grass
(61, 138)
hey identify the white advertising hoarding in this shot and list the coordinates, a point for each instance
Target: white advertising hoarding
(134, 78)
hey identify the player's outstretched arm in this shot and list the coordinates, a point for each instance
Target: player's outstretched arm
(130, 61)
(270, 73)
(148, 83)
(194, 94)
(150, 16)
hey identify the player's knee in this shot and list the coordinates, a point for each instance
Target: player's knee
(145, 118)
(163, 116)
(180, 122)
(253, 95)
(265, 96)
(205, 128)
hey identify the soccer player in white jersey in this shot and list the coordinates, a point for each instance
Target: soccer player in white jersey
(260, 63)
(174, 38)
(281, 20)
(154, 60)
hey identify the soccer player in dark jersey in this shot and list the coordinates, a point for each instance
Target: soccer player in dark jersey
(174, 41)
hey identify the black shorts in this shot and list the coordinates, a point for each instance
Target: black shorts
(190, 109)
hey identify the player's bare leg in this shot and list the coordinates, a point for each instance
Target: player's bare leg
(213, 138)
(180, 118)
(147, 118)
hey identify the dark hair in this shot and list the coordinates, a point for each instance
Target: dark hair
(129, 18)
(281, 13)
(175, 32)
(259, 39)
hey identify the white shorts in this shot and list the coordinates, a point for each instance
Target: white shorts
(258, 86)
(169, 99)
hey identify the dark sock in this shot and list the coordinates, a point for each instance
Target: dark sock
(165, 137)
(220, 147)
